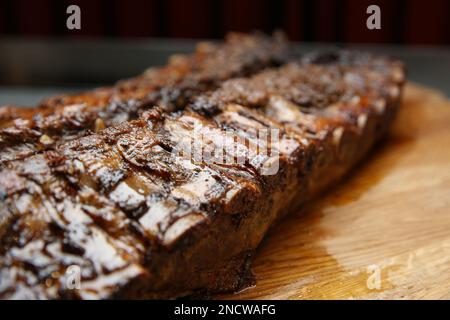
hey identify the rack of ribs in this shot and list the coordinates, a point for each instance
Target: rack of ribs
(24, 131)
(138, 218)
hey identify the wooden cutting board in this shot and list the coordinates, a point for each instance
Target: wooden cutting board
(383, 232)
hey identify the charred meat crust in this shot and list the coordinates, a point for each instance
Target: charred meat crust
(142, 221)
(24, 131)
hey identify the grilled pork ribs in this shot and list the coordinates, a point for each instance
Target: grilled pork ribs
(137, 218)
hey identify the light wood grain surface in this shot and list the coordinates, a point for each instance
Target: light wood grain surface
(383, 232)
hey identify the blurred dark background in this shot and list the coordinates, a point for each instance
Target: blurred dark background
(40, 57)
(403, 21)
